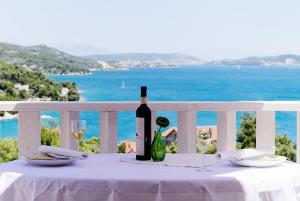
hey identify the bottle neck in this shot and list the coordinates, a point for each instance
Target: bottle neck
(144, 100)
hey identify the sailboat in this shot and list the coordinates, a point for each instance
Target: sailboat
(123, 85)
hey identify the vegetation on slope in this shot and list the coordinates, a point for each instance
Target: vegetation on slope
(39, 86)
(45, 59)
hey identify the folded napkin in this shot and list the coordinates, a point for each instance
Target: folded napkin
(246, 153)
(38, 156)
(62, 152)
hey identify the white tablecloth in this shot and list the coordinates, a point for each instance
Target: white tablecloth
(106, 177)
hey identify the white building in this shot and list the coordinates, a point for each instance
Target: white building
(64, 91)
(290, 62)
(22, 87)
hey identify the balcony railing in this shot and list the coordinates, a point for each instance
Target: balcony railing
(29, 122)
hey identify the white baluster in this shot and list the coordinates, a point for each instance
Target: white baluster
(226, 131)
(265, 128)
(29, 137)
(108, 130)
(66, 137)
(298, 137)
(186, 132)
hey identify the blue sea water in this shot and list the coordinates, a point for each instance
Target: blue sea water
(185, 83)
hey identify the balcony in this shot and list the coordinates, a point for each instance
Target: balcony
(29, 135)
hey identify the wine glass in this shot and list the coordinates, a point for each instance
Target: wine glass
(78, 128)
(202, 143)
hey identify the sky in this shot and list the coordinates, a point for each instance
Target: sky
(208, 29)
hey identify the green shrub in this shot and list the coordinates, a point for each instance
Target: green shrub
(91, 145)
(212, 149)
(122, 148)
(8, 150)
(172, 148)
(50, 136)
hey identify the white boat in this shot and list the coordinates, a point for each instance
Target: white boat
(123, 85)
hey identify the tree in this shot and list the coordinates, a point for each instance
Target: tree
(246, 136)
(73, 95)
(10, 92)
(285, 147)
(23, 94)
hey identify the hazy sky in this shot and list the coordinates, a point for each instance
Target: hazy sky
(209, 29)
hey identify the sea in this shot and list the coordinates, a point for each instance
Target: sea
(182, 83)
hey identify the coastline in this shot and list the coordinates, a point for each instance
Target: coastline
(68, 74)
(90, 73)
(109, 69)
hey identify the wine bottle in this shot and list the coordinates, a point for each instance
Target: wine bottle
(143, 128)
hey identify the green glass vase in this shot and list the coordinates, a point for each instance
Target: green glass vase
(158, 149)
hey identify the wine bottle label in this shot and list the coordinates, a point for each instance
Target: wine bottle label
(140, 136)
(144, 100)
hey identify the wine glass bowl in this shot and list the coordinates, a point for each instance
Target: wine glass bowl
(203, 144)
(78, 128)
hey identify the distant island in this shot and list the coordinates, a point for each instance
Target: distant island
(169, 60)
(281, 60)
(126, 60)
(48, 60)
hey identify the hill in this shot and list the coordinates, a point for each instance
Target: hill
(281, 60)
(146, 59)
(17, 83)
(45, 59)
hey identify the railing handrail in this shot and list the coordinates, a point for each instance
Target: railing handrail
(155, 106)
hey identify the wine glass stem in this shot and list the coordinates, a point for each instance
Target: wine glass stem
(203, 164)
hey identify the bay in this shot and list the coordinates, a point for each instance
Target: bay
(184, 83)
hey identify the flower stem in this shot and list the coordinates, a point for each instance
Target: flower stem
(158, 132)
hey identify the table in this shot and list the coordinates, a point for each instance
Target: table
(106, 177)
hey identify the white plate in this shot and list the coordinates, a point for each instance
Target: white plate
(267, 161)
(53, 162)
(58, 156)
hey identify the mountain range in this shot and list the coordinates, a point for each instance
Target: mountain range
(146, 59)
(54, 61)
(46, 59)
